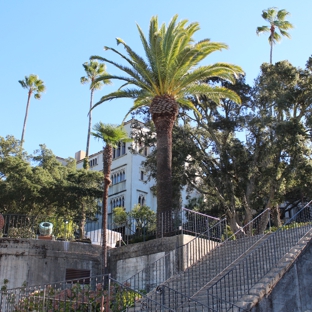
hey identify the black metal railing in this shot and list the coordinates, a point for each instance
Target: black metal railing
(18, 226)
(238, 281)
(100, 293)
(133, 230)
(179, 259)
(191, 279)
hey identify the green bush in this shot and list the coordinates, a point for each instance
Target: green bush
(21, 232)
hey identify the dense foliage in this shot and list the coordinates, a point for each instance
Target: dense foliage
(245, 158)
(40, 185)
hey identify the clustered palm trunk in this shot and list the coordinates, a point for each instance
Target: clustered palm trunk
(107, 164)
(111, 136)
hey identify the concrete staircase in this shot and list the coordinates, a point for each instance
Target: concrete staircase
(225, 275)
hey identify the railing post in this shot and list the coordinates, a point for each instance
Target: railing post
(108, 293)
(182, 221)
(162, 225)
(208, 228)
(270, 220)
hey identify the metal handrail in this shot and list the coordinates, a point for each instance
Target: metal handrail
(208, 263)
(266, 255)
(158, 272)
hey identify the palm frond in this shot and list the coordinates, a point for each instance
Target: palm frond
(262, 29)
(110, 134)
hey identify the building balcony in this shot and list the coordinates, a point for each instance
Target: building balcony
(117, 188)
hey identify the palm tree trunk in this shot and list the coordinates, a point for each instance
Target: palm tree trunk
(272, 30)
(107, 164)
(26, 116)
(164, 172)
(164, 110)
(90, 123)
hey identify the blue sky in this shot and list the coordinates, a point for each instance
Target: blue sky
(54, 38)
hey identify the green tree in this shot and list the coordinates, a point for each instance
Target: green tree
(84, 188)
(39, 185)
(110, 135)
(34, 86)
(284, 135)
(164, 83)
(93, 71)
(276, 19)
(120, 216)
(144, 217)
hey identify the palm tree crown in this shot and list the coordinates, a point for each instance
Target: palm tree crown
(93, 70)
(171, 67)
(34, 86)
(110, 134)
(276, 19)
(165, 81)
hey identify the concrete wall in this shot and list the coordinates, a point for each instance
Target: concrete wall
(41, 262)
(288, 286)
(293, 292)
(128, 260)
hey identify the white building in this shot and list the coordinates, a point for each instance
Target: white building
(129, 181)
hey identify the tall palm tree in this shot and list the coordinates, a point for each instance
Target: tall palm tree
(276, 19)
(34, 86)
(110, 135)
(93, 70)
(164, 82)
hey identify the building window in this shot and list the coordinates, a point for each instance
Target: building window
(93, 162)
(142, 175)
(118, 150)
(77, 276)
(118, 202)
(141, 200)
(123, 151)
(118, 177)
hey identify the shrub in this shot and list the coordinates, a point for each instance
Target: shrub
(21, 232)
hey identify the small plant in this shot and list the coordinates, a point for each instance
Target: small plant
(5, 285)
(228, 233)
(21, 232)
